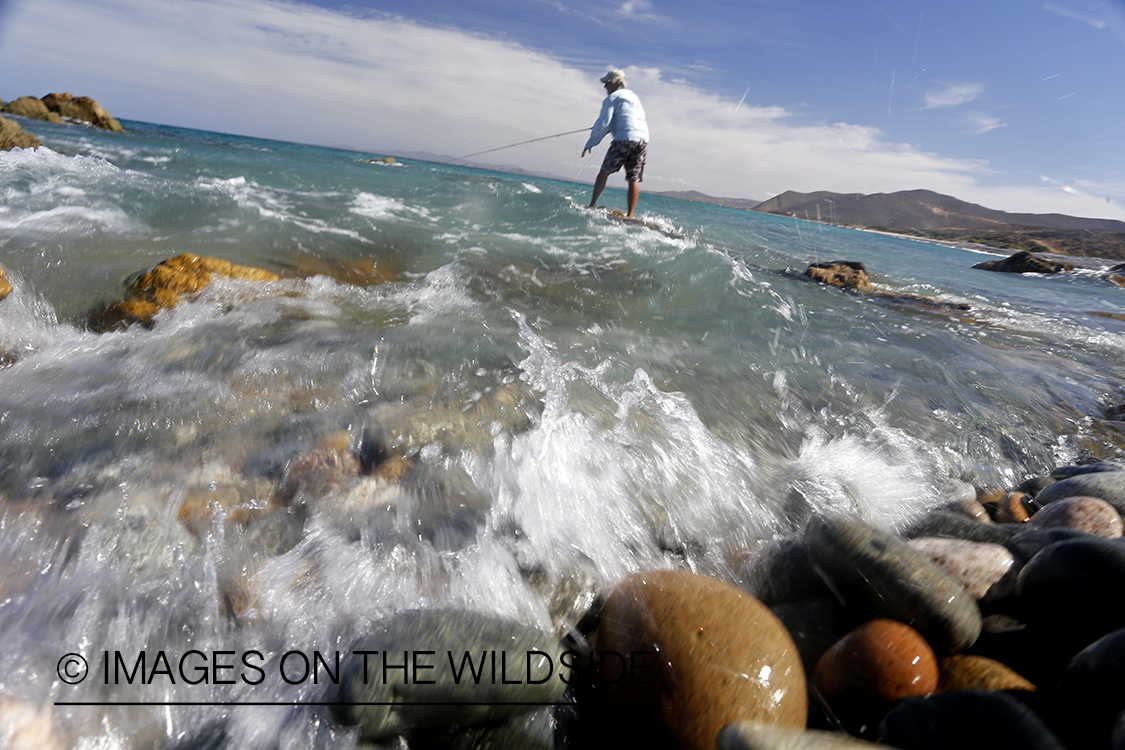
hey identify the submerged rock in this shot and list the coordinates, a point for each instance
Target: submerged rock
(1025, 262)
(698, 654)
(14, 136)
(844, 274)
(433, 688)
(5, 285)
(165, 285)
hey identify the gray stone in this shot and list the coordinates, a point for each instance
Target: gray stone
(1066, 472)
(534, 730)
(966, 720)
(814, 624)
(782, 571)
(1090, 514)
(886, 576)
(752, 735)
(975, 565)
(1091, 693)
(959, 526)
(518, 669)
(1028, 544)
(1108, 485)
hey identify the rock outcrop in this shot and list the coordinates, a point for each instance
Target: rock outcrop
(56, 107)
(852, 276)
(14, 136)
(1025, 262)
(165, 285)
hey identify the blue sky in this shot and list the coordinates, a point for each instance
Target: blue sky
(1012, 104)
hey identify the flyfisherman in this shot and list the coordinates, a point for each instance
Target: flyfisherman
(622, 115)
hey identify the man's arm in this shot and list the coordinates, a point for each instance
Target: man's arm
(602, 127)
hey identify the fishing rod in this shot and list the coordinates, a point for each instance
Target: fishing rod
(521, 143)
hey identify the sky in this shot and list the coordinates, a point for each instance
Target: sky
(1013, 104)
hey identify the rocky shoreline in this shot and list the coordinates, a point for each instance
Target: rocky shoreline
(56, 108)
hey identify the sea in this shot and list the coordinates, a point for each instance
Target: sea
(566, 398)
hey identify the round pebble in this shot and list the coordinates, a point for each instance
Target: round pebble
(881, 660)
(975, 565)
(1108, 485)
(970, 672)
(1090, 514)
(966, 720)
(709, 652)
(1091, 692)
(1012, 508)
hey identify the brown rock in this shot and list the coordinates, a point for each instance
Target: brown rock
(237, 503)
(1012, 508)
(882, 661)
(82, 108)
(1025, 262)
(318, 473)
(1090, 514)
(720, 655)
(29, 106)
(14, 136)
(977, 566)
(5, 285)
(842, 273)
(970, 672)
(167, 283)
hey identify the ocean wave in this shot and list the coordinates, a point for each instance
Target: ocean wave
(374, 206)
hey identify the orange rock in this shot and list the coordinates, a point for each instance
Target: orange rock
(970, 672)
(5, 285)
(1012, 508)
(711, 654)
(166, 284)
(881, 660)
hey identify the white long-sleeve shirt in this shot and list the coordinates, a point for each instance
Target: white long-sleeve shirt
(623, 115)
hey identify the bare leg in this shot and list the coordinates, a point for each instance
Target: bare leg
(599, 186)
(634, 194)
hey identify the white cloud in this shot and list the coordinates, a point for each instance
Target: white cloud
(982, 123)
(953, 94)
(388, 85)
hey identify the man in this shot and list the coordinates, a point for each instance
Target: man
(622, 115)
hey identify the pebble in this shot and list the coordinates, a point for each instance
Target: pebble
(815, 624)
(881, 660)
(976, 566)
(721, 655)
(1108, 485)
(1089, 514)
(522, 655)
(957, 526)
(1072, 590)
(1091, 692)
(782, 571)
(971, 672)
(1028, 543)
(966, 720)
(751, 735)
(1066, 472)
(883, 574)
(968, 507)
(1012, 508)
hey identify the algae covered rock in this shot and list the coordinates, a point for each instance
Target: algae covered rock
(165, 285)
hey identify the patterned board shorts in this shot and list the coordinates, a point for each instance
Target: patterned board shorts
(631, 154)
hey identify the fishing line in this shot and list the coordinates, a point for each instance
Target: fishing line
(521, 143)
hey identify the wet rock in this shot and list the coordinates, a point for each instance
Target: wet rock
(236, 503)
(1066, 472)
(316, 474)
(975, 565)
(1034, 485)
(968, 507)
(879, 662)
(707, 654)
(14, 136)
(1025, 262)
(885, 575)
(165, 285)
(1091, 692)
(82, 108)
(144, 542)
(569, 596)
(1090, 514)
(957, 526)
(814, 624)
(1117, 739)
(1027, 544)
(973, 672)
(1108, 485)
(5, 285)
(440, 695)
(781, 570)
(966, 720)
(1072, 590)
(844, 274)
(24, 726)
(354, 271)
(1013, 508)
(752, 735)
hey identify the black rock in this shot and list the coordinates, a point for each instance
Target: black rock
(1027, 544)
(1091, 692)
(966, 720)
(959, 526)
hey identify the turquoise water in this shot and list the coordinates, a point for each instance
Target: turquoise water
(573, 393)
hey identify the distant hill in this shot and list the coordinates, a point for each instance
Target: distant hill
(932, 215)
